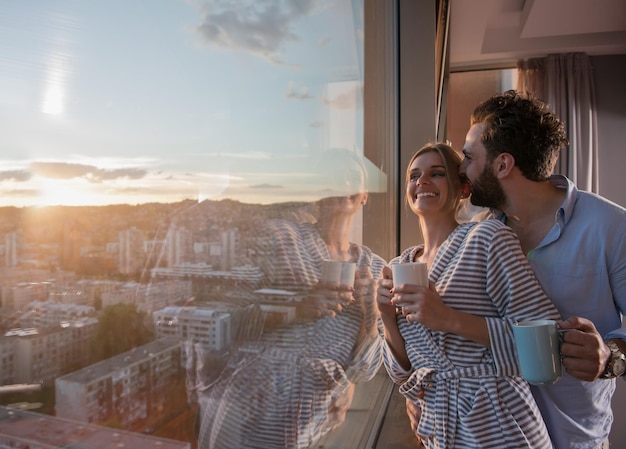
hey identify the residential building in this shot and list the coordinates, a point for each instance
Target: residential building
(128, 387)
(212, 328)
(41, 355)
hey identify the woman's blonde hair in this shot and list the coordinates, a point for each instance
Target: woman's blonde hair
(451, 161)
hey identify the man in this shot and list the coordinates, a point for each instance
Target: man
(576, 244)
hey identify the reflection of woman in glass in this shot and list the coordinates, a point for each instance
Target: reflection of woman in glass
(450, 345)
(295, 383)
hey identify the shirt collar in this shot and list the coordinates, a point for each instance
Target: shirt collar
(566, 210)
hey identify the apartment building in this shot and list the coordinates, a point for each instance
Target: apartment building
(49, 314)
(212, 328)
(16, 296)
(129, 387)
(31, 355)
(148, 297)
(7, 361)
(131, 255)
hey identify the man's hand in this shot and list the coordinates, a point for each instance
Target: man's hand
(583, 350)
(414, 413)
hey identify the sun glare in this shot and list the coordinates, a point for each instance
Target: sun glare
(53, 101)
(54, 192)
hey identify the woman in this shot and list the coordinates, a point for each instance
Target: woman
(295, 383)
(450, 345)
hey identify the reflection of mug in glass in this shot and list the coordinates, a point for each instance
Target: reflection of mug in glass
(537, 344)
(338, 272)
(413, 273)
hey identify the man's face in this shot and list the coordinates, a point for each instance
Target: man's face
(486, 188)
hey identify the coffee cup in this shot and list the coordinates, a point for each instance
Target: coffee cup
(537, 344)
(414, 273)
(338, 272)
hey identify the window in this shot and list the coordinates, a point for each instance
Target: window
(144, 144)
(466, 91)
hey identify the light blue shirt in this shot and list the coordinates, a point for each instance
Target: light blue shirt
(581, 264)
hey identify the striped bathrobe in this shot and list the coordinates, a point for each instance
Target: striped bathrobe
(473, 395)
(281, 391)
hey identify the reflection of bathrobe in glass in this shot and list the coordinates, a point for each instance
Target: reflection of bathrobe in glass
(279, 392)
(473, 396)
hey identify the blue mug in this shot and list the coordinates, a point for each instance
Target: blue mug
(537, 344)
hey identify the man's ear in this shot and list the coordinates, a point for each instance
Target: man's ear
(503, 164)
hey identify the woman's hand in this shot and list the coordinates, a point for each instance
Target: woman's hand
(383, 294)
(326, 299)
(363, 286)
(422, 305)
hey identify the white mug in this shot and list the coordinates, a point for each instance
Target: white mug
(414, 273)
(338, 272)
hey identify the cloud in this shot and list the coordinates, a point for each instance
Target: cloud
(259, 27)
(267, 186)
(350, 99)
(295, 93)
(15, 175)
(324, 42)
(91, 173)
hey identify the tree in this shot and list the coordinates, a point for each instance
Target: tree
(120, 328)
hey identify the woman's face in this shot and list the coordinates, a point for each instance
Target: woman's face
(427, 189)
(345, 184)
(342, 205)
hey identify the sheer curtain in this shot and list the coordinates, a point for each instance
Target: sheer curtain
(565, 81)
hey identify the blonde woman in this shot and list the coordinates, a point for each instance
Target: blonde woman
(450, 345)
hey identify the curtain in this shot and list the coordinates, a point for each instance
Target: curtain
(565, 81)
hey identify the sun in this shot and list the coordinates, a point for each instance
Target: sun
(62, 192)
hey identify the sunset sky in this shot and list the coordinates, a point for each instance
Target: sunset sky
(131, 101)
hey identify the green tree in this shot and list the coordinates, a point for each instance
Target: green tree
(120, 328)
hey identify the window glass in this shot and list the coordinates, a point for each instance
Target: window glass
(173, 175)
(466, 91)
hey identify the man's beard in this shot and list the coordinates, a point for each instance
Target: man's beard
(486, 190)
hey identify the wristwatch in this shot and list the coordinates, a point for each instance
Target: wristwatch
(617, 362)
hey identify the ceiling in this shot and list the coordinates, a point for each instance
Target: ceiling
(495, 33)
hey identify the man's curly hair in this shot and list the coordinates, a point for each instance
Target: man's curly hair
(524, 127)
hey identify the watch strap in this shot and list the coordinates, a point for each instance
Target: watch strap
(617, 362)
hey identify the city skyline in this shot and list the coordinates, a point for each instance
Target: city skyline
(128, 103)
